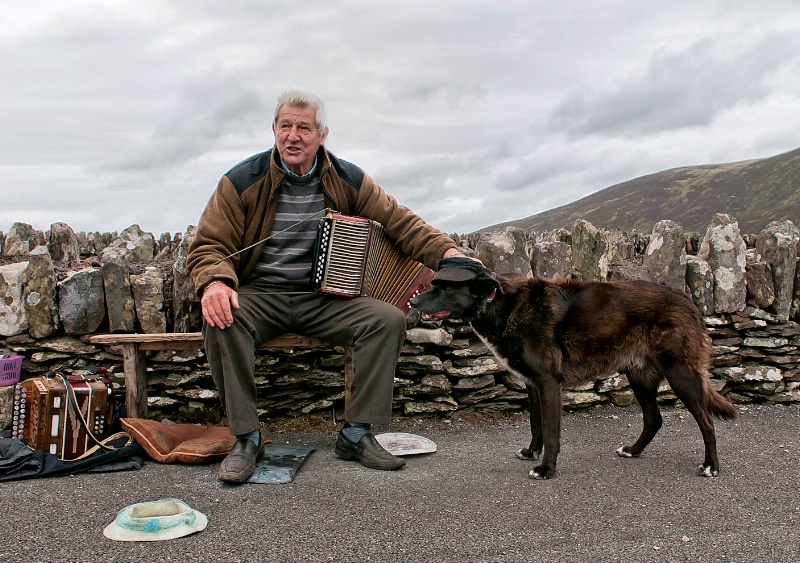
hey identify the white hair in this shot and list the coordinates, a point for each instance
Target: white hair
(300, 99)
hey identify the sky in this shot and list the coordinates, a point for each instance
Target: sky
(118, 113)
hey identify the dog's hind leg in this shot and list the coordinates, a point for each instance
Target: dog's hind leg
(646, 391)
(550, 407)
(688, 387)
(534, 450)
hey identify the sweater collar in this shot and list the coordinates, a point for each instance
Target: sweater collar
(306, 176)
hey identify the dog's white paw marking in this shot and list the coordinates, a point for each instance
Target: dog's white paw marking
(533, 474)
(519, 455)
(622, 453)
(706, 472)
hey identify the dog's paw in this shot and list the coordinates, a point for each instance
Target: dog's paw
(623, 452)
(706, 471)
(526, 453)
(541, 473)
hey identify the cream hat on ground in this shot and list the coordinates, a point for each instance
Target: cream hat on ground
(164, 519)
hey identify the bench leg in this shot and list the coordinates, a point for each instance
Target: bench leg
(134, 362)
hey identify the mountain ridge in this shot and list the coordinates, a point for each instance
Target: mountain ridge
(755, 192)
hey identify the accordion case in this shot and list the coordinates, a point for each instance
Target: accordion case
(45, 417)
(355, 258)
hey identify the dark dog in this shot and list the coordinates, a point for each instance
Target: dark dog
(566, 332)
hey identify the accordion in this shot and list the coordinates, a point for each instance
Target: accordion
(355, 258)
(46, 418)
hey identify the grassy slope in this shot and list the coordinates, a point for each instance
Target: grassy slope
(755, 192)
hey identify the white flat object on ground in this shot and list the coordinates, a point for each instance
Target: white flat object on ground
(401, 443)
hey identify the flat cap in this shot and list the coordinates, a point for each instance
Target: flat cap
(461, 269)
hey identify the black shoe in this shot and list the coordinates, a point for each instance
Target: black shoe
(240, 463)
(368, 452)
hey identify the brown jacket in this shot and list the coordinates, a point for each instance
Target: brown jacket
(241, 211)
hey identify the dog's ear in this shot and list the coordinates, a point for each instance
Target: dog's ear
(488, 287)
(488, 280)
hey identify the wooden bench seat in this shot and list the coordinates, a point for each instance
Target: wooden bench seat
(134, 358)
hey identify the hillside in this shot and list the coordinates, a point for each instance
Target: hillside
(755, 192)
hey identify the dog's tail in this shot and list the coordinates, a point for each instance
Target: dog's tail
(717, 405)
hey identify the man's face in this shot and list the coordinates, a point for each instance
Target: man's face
(297, 138)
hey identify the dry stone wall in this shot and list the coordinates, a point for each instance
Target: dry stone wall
(746, 285)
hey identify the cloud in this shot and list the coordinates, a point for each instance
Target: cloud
(681, 89)
(470, 113)
(206, 110)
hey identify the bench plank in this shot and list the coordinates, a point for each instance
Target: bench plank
(134, 358)
(165, 337)
(192, 340)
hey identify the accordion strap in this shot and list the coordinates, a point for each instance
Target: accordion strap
(317, 215)
(73, 402)
(93, 450)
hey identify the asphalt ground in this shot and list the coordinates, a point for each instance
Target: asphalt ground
(469, 501)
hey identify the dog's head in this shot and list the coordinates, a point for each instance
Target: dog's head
(461, 289)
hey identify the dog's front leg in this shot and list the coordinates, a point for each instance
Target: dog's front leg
(534, 450)
(550, 408)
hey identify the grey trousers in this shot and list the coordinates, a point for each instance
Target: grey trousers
(374, 330)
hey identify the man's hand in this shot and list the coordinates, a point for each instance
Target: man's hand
(216, 302)
(455, 253)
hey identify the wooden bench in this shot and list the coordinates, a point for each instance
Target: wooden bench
(134, 358)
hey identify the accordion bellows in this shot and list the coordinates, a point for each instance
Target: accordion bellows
(355, 258)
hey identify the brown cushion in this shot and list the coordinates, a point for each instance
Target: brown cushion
(187, 443)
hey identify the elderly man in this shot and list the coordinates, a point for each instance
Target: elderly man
(251, 262)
